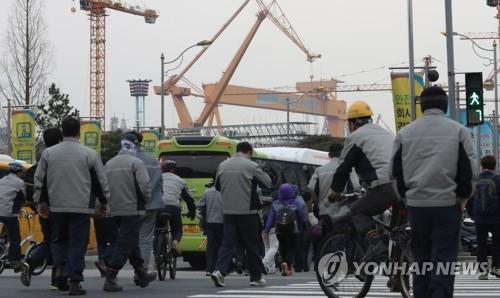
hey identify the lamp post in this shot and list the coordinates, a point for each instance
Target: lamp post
(9, 126)
(495, 80)
(411, 55)
(450, 59)
(163, 63)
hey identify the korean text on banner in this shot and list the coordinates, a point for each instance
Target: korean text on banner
(90, 134)
(23, 135)
(150, 139)
(401, 97)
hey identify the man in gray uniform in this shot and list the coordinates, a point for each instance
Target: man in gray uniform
(130, 190)
(435, 168)
(237, 180)
(72, 176)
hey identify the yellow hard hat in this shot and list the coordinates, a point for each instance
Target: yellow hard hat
(359, 109)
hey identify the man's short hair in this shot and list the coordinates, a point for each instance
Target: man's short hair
(244, 147)
(488, 162)
(52, 136)
(70, 127)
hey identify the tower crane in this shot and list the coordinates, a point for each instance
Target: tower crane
(97, 12)
(210, 111)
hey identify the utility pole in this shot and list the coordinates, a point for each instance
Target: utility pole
(162, 129)
(411, 55)
(495, 115)
(9, 127)
(450, 59)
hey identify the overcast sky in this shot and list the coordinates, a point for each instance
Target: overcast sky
(352, 36)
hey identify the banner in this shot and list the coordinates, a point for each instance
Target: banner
(23, 136)
(150, 139)
(485, 134)
(90, 134)
(401, 97)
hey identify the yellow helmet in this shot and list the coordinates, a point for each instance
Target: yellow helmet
(359, 109)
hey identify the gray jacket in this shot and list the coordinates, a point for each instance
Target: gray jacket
(237, 179)
(434, 162)
(12, 195)
(72, 176)
(210, 206)
(154, 172)
(174, 189)
(129, 184)
(368, 151)
(321, 181)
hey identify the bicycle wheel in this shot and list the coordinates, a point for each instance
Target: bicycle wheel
(406, 279)
(3, 257)
(161, 264)
(336, 272)
(172, 258)
(29, 252)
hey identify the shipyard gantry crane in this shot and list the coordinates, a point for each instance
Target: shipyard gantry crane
(97, 12)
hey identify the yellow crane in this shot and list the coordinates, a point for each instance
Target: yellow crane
(97, 12)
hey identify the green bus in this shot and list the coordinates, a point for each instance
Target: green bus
(197, 160)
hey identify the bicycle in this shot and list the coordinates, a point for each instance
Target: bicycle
(340, 252)
(32, 246)
(164, 253)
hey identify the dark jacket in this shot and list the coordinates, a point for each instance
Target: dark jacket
(494, 218)
(297, 205)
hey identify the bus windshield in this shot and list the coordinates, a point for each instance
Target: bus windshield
(196, 164)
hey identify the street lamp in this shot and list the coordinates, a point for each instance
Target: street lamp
(163, 63)
(495, 85)
(288, 103)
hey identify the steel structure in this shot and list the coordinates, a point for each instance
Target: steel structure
(140, 90)
(97, 15)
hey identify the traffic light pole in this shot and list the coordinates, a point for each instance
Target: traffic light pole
(495, 116)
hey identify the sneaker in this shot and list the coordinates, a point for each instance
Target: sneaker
(239, 268)
(25, 274)
(284, 269)
(101, 266)
(218, 279)
(483, 276)
(495, 271)
(61, 281)
(208, 273)
(258, 283)
(176, 249)
(75, 289)
(16, 266)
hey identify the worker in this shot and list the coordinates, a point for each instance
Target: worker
(367, 149)
(435, 167)
(12, 195)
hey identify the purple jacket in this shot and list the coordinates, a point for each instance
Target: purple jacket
(286, 196)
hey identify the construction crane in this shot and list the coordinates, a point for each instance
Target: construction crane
(97, 12)
(210, 110)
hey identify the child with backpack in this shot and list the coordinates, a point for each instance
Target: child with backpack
(288, 218)
(484, 207)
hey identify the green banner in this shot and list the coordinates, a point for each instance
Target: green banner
(23, 136)
(150, 139)
(90, 134)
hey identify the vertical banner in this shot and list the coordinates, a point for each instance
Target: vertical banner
(90, 134)
(150, 139)
(401, 97)
(23, 135)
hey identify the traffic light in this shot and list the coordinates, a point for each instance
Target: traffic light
(474, 98)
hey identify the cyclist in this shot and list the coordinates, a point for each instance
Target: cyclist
(175, 189)
(368, 150)
(12, 195)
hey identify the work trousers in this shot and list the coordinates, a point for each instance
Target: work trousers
(175, 220)
(434, 238)
(146, 235)
(288, 244)
(70, 236)
(127, 243)
(246, 227)
(482, 238)
(376, 201)
(106, 232)
(12, 225)
(214, 231)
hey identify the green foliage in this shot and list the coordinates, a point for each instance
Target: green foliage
(52, 113)
(322, 143)
(110, 144)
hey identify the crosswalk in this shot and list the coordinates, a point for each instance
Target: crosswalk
(465, 286)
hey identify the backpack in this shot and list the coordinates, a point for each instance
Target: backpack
(485, 199)
(286, 219)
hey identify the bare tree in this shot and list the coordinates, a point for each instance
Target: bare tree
(26, 58)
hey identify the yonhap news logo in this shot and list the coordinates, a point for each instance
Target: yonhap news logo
(333, 267)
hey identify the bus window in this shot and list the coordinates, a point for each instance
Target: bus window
(196, 164)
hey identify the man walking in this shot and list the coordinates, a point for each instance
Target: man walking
(130, 190)
(237, 180)
(72, 175)
(434, 165)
